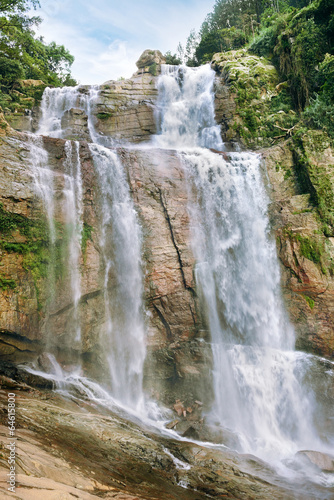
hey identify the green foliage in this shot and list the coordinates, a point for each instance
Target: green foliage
(17, 5)
(320, 114)
(264, 43)
(153, 69)
(25, 56)
(311, 249)
(326, 75)
(313, 178)
(172, 59)
(10, 70)
(219, 41)
(9, 222)
(103, 116)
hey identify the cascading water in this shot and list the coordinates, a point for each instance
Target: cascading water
(257, 376)
(44, 180)
(124, 338)
(56, 102)
(258, 379)
(73, 216)
(185, 109)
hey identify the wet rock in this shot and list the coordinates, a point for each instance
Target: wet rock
(308, 285)
(75, 124)
(323, 461)
(72, 451)
(171, 425)
(20, 376)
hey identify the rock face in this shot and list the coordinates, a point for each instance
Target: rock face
(124, 110)
(249, 99)
(249, 107)
(305, 252)
(75, 124)
(150, 61)
(178, 360)
(178, 354)
(321, 460)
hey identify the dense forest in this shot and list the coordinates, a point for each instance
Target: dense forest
(26, 57)
(296, 35)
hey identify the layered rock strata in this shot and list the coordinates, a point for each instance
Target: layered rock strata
(178, 358)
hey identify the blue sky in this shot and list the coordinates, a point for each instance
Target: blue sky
(107, 37)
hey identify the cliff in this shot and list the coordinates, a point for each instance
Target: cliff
(37, 305)
(251, 108)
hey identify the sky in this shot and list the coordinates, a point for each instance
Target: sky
(107, 37)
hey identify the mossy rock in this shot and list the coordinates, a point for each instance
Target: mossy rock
(261, 102)
(314, 159)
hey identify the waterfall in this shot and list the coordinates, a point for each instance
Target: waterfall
(185, 108)
(257, 376)
(124, 336)
(55, 102)
(73, 217)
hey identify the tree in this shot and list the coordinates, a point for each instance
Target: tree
(18, 5)
(20, 49)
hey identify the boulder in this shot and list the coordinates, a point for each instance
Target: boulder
(150, 57)
(323, 461)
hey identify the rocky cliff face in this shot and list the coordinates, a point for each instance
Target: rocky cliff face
(125, 109)
(177, 363)
(251, 106)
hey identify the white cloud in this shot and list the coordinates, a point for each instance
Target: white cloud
(107, 37)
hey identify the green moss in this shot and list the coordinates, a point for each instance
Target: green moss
(86, 235)
(310, 248)
(310, 301)
(35, 248)
(7, 283)
(314, 177)
(262, 107)
(103, 116)
(153, 69)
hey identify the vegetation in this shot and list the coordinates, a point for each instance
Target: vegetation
(86, 235)
(23, 56)
(310, 301)
(7, 283)
(296, 35)
(38, 258)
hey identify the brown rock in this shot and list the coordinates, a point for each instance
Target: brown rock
(150, 57)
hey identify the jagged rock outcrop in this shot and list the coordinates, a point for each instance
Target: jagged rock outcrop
(306, 253)
(124, 109)
(150, 61)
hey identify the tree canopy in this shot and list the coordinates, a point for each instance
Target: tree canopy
(23, 54)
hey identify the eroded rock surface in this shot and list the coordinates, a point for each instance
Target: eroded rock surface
(179, 358)
(305, 252)
(124, 462)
